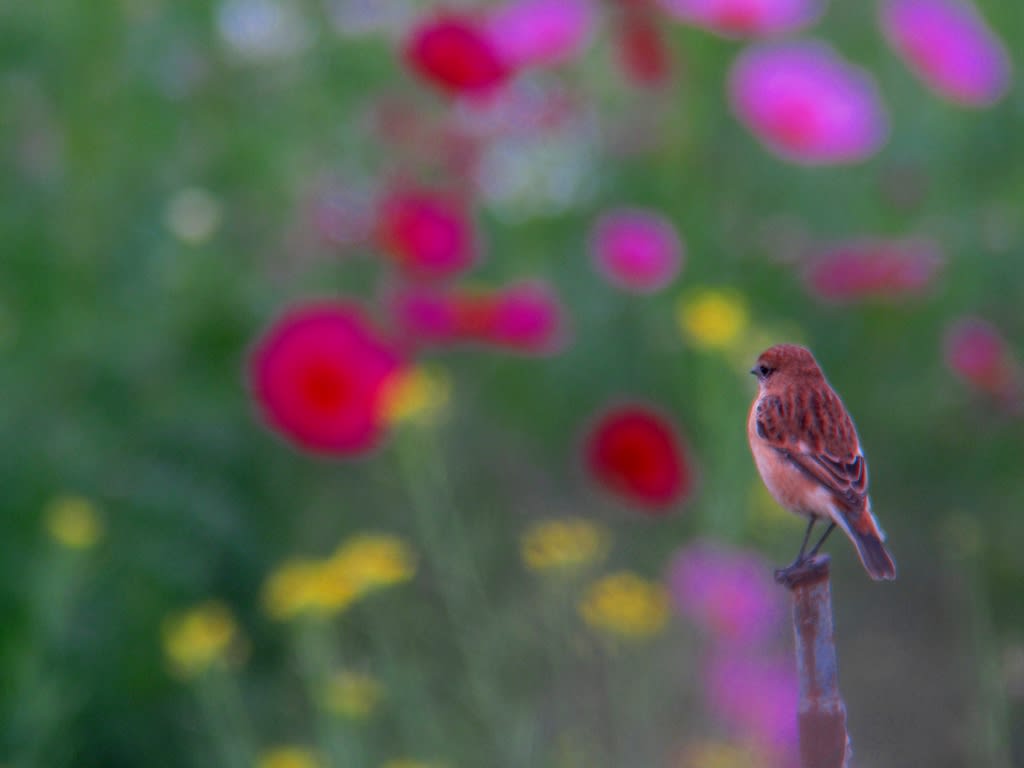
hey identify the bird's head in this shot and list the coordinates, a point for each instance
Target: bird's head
(785, 362)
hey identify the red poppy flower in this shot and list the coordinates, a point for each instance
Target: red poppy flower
(429, 235)
(634, 452)
(454, 53)
(643, 54)
(317, 375)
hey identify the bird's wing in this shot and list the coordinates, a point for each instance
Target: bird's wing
(813, 431)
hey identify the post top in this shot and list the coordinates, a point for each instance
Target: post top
(804, 575)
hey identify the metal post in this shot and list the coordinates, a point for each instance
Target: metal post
(824, 742)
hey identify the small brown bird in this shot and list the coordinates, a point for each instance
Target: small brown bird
(807, 451)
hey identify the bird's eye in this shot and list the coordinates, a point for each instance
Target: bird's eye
(764, 370)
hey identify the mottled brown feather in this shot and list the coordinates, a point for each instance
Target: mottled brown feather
(813, 431)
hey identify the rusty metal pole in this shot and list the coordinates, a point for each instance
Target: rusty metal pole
(824, 742)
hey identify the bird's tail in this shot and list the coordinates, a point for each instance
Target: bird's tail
(873, 554)
(862, 529)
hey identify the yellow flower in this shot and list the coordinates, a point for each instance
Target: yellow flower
(288, 757)
(415, 395)
(73, 522)
(713, 319)
(369, 561)
(718, 755)
(197, 638)
(352, 694)
(566, 543)
(625, 604)
(309, 587)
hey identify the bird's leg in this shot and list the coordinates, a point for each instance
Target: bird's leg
(803, 544)
(814, 551)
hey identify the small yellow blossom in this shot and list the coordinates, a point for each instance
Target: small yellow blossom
(713, 319)
(352, 694)
(73, 522)
(309, 587)
(369, 561)
(288, 757)
(565, 543)
(197, 638)
(719, 755)
(415, 395)
(625, 604)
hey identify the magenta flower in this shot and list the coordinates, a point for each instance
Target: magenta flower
(429, 235)
(542, 32)
(807, 104)
(948, 45)
(977, 353)
(317, 375)
(455, 53)
(524, 317)
(744, 18)
(866, 269)
(426, 315)
(637, 250)
(756, 699)
(728, 593)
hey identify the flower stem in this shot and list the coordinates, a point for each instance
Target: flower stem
(318, 662)
(450, 555)
(224, 711)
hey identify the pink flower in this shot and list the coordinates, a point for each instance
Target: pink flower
(756, 699)
(426, 315)
(317, 374)
(455, 53)
(428, 235)
(744, 18)
(641, 50)
(948, 45)
(808, 105)
(633, 451)
(728, 593)
(542, 32)
(636, 250)
(865, 269)
(525, 317)
(978, 354)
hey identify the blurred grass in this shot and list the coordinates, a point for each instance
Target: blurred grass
(121, 353)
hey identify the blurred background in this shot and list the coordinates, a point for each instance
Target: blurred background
(375, 378)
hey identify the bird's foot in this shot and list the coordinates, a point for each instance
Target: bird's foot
(802, 569)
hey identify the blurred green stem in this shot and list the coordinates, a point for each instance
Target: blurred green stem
(992, 714)
(224, 711)
(445, 538)
(318, 662)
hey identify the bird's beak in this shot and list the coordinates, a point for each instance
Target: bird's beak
(754, 371)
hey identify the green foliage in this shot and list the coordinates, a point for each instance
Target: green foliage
(122, 350)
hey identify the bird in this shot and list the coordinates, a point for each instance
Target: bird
(809, 456)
